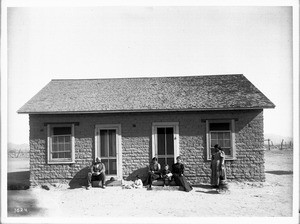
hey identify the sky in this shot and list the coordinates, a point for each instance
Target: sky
(139, 41)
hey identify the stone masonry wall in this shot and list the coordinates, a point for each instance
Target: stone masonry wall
(136, 134)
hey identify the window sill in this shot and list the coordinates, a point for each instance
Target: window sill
(226, 159)
(230, 158)
(60, 162)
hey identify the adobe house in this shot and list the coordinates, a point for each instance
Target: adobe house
(127, 121)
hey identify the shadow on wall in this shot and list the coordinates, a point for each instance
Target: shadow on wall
(80, 178)
(142, 172)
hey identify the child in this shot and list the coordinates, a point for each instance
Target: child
(167, 175)
(138, 182)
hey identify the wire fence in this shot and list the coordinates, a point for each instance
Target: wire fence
(284, 145)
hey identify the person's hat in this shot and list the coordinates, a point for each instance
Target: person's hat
(178, 157)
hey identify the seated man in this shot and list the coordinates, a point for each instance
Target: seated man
(154, 172)
(97, 173)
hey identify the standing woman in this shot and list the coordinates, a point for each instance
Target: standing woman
(154, 172)
(218, 170)
(177, 170)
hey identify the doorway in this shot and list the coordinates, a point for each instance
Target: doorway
(108, 148)
(165, 142)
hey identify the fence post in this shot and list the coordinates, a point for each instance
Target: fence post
(268, 143)
(19, 153)
(281, 144)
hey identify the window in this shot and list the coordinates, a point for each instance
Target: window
(61, 143)
(165, 142)
(221, 132)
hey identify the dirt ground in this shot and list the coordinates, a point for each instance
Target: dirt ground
(272, 198)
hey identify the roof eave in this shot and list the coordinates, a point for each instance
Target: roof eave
(143, 110)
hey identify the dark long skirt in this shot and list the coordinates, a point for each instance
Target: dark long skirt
(151, 177)
(181, 181)
(215, 173)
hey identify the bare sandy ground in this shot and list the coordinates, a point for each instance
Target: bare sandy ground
(272, 198)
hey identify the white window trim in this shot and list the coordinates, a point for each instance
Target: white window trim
(232, 137)
(116, 127)
(49, 144)
(175, 126)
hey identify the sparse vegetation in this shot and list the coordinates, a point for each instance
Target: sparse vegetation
(18, 151)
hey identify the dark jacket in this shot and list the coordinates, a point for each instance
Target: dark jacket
(178, 169)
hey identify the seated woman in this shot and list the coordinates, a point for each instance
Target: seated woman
(154, 172)
(177, 170)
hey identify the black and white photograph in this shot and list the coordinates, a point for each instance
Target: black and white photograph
(149, 112)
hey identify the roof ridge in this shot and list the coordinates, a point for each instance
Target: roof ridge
(148, 77)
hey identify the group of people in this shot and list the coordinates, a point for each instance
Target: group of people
(218, 172)
(155, 172)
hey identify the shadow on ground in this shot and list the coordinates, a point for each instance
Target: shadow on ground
(18, 180)
(80, 178)
(205, 186)
(22, 203)
(208, 192)
(142, 172)
(280, 172)
(19, 202)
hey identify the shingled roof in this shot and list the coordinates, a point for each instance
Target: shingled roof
(210, 92)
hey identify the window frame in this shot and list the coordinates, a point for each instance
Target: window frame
(175, 126)
(232, 137)
(50, 136)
